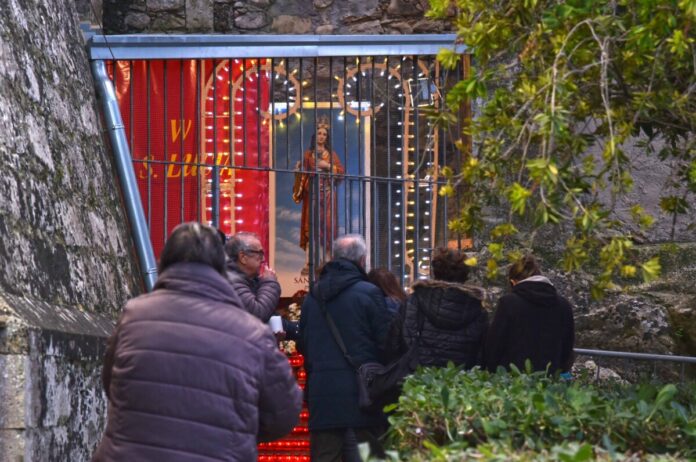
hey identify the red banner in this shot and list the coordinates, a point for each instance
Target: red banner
(187, 123)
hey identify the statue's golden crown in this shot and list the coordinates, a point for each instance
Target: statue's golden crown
(323, 122)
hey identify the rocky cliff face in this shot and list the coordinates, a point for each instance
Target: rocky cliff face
(61, 222)
(270, 17)
(66, 264)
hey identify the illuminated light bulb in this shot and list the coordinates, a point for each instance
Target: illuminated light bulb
(397, 256)
(397, 215)
(396, 228)
(398, 163)
(240, 221)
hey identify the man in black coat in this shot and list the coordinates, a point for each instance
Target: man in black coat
(358, 309)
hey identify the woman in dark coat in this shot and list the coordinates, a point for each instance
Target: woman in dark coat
(394, 295)
(189, 375)
(531, 322)
(447, 312)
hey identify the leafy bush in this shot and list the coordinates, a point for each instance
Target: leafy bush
(449, 414)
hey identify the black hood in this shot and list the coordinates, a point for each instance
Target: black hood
(539, 292)
(337, 276)
(448, 305)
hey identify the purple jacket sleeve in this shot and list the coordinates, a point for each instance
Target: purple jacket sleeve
(280, 399)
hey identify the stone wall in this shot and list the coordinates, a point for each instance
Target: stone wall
(269, 17)
(66, 258)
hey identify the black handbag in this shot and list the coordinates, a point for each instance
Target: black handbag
(383, 382)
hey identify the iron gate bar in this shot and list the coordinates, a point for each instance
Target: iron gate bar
(160, 46)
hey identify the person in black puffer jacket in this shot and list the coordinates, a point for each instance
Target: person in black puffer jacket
(532, 322)
(453, 321)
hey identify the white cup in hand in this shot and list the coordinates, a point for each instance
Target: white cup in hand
(276, 324)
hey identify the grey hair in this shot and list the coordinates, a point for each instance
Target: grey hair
(351, 247)
(239, 243)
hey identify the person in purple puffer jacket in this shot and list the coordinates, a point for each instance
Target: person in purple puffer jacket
(189, 375)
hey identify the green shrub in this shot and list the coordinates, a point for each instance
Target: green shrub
(495, 416)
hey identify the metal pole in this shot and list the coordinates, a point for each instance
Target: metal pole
(124, 166)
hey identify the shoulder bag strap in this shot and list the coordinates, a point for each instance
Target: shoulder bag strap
(336, 334)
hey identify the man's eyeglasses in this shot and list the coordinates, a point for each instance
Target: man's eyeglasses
(260, 253)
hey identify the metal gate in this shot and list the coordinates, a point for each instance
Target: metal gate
(222, 129)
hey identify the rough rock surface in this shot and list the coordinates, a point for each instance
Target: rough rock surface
(270, 16)
(66, 258)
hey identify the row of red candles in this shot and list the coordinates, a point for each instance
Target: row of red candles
(297, 442)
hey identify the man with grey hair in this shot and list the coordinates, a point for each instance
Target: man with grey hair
(358, 310)
(259, 293)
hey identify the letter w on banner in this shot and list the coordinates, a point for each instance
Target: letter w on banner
(187, 121)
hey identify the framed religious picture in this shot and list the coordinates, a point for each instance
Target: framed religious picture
(318, 189)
